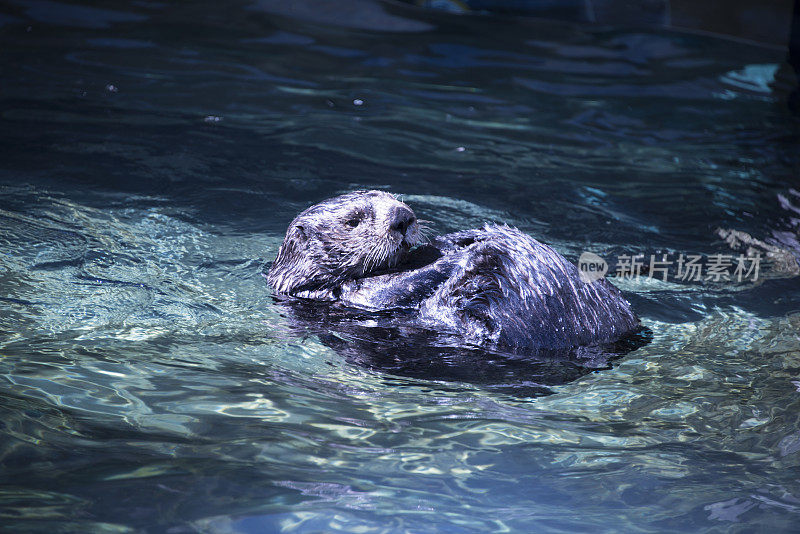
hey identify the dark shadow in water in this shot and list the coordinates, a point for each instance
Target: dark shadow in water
(390, 342)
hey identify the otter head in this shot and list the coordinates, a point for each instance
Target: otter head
(343, 238)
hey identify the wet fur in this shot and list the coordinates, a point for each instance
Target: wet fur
(511, 290)
(322, 250)
(493, 286)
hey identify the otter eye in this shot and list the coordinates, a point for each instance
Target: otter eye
(354, 219)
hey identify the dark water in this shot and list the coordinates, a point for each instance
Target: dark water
(151, 157)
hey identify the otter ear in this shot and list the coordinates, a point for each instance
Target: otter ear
(299, 233)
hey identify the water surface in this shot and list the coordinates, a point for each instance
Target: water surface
(152, 157)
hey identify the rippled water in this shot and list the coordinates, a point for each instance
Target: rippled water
(152, 157)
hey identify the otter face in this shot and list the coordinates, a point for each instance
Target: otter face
(343, 238)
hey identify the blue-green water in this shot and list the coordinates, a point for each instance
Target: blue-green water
(151, 157)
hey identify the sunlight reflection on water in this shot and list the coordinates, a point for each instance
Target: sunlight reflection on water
(149, 381)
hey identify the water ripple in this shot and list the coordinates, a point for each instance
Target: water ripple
(149, 381)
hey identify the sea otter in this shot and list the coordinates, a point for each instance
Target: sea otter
(493, 286)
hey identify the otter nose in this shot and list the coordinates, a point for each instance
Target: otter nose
(401, 218)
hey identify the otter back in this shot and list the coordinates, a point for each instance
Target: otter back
(499, 286)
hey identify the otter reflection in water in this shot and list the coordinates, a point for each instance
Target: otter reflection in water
(493, 291)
